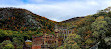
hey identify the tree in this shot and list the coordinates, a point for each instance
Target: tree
(6, 45)
(17, 42)
(99, 27)
(72, 42)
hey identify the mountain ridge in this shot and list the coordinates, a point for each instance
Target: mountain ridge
(19, 17)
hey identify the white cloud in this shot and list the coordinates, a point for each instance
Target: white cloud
(93, 3)
(60, 11)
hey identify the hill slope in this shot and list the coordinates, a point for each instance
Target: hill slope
(18, 25)
(89, 32)
(22, 19)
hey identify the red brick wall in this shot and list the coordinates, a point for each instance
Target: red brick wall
(36, 47)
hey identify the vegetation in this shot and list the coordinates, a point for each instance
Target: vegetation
(18, 25)
(91, 29)
(6, 45)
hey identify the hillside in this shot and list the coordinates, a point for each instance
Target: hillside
(21, 19)
(92, 31)
(18, 25)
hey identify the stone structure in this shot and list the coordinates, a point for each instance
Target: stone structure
(50, 41)
(45, 42)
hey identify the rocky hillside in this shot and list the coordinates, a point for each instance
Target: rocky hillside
(22, 19)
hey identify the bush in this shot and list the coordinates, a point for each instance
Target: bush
(6, 45)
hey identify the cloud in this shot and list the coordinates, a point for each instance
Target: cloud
(63, 10)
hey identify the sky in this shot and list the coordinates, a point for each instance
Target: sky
(59, 10)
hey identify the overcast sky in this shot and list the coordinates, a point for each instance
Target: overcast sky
(59, 10)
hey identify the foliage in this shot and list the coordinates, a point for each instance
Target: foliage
(92, 29)
(6, 45)
(72, 42)
(18, 42)
(23, 24)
